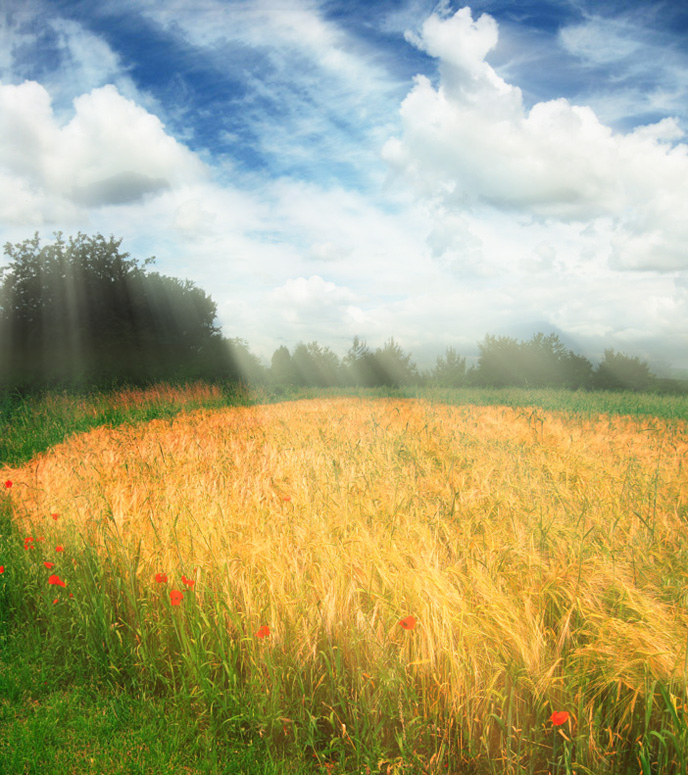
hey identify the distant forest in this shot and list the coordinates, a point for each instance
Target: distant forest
(81, 313)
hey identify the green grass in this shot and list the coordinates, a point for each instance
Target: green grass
(65, 709)
(51, 723)
(579, 402)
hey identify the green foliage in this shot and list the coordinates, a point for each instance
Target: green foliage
(395, 366)
(82, 312)
(621, 372)
(315, 366)
(360, 366)
(282, 369)
(450, 371)
(542, 361)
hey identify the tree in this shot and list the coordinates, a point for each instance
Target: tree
(499, 362)
(282, 368)
(360, 366)
(450, 370)
(316, 366)
(243, 365)
(541, 361)
(83, 312)
(578, 372)
(618, 371)
(394, 366)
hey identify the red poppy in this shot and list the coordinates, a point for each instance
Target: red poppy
(8, 484)
(29, 546)
(54, 516)
(49, 565)
(408, 623)
(56, 580)
(2, 568)
(71, 594)
(263, 631)
(56, 600)
(27, 539)
(189, 582)
(59, 548)
(161, 578)
(559, 717)
(286, 498)
(176, 597)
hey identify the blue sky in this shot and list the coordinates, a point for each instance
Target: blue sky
(325, 169)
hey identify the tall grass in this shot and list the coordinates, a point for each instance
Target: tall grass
(541, 555)
(29, 425)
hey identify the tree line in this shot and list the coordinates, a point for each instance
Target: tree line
(542, 361)
(82, 313)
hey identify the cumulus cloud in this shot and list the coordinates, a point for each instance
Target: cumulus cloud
(312, 298)
(470, 142)
(302, 304)
(111, 152)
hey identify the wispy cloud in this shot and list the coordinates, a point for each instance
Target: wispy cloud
(637, 71)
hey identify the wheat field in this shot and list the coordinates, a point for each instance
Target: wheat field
(391, 582)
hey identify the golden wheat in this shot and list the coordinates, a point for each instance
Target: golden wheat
(542, 555)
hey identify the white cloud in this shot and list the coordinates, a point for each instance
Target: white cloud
(470, 142)
(112, 151)
(524, 215)
(305, 302)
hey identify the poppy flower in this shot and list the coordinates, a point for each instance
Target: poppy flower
(59, 548)
(56, 580)
(286, 498)
(8, 484)
(27, 539)
(71, 594)
(29, 545)
(2, 568)
(189, 582)
(559, 717)
(49, 565)
(56, 600)
(408, 623)
(176, 597)
(161, 578)
(263, 631)
(54, 516)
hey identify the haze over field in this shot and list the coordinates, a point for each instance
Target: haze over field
(325, 169)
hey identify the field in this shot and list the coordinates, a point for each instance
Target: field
(349, 584)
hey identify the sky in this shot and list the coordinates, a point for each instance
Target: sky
(325, 169)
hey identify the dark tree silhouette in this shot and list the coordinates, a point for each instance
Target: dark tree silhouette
(618, 371)
(83, 312)
(282, 368)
